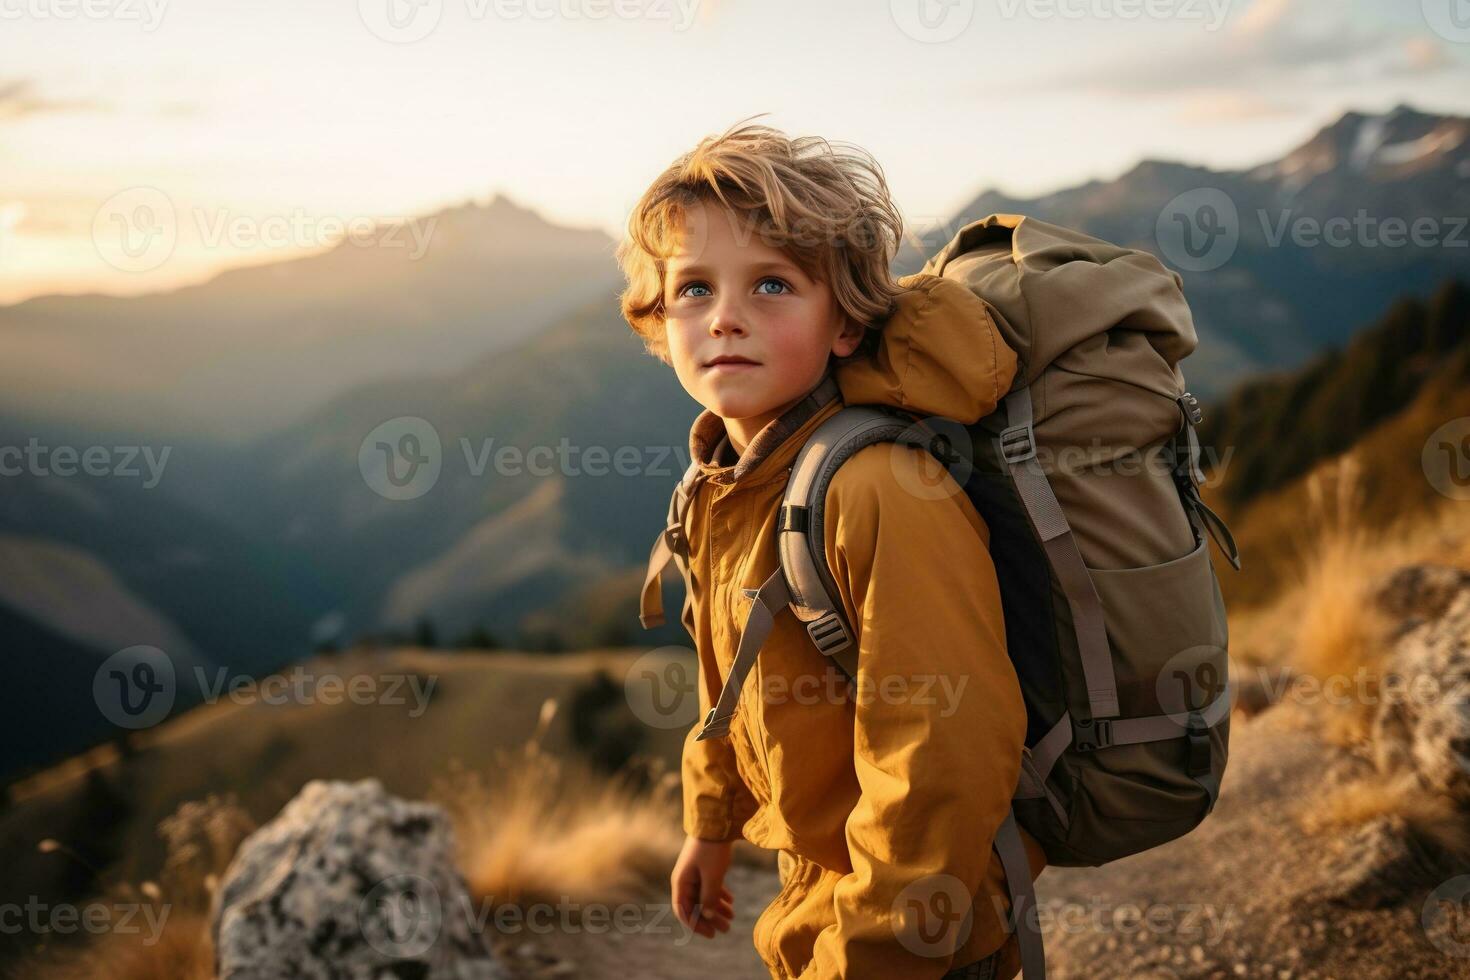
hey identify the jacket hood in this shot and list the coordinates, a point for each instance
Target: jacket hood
(939, 353)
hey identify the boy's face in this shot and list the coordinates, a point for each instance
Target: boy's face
(728, 293)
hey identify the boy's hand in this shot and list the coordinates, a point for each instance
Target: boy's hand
(701, 900)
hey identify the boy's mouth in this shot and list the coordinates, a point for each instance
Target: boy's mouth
(729, 361)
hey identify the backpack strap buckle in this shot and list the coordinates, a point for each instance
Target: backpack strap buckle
(1199, 744)
(713, 728)
(1091, 734)
(829, 633)
(794, 517)
(1190, 406)
(1017, 443)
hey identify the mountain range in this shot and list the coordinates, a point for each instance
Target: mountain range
(499, 360)
(1313, 244)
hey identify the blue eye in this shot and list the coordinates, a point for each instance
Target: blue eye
(685, 289)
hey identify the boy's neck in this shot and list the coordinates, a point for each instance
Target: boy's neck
(741, 432)
(710, 441)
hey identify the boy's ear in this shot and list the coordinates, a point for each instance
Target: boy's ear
(848, 337)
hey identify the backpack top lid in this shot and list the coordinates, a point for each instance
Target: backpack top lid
(1055, 288)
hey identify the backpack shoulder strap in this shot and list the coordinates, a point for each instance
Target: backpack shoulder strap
(802, 520)
(670, 545)
(812, 590)
(802, 581)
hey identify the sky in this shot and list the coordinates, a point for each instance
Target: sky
(262, 130)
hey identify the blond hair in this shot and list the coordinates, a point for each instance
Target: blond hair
(829, 210)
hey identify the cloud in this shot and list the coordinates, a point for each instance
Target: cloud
(182, 110)
(18, 99)
(1275, 45)
(1421, 55)
(1262, 16)
(1224, 105)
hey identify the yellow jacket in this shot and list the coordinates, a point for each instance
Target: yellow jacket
(883, 802)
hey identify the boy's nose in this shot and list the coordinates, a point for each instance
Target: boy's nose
(725, 323)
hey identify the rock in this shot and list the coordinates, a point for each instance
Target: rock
(1423, 719)
(1421, 734)
(1415, 594)
(1384, 862)
(348, 883)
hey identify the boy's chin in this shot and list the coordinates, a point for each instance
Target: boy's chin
(740, 411)
(739, 405)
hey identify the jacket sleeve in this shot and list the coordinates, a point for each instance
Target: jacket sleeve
(939, 720)
(716, 801)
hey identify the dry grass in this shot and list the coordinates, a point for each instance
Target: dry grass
(162, 926)
(1431, 816)
(1327, 624)
(1262, 636)
(1363, 801)
(1397, 499)
(1340, 633)
(1324, 622)
(543, 829)
(549, 829)
(182, 951)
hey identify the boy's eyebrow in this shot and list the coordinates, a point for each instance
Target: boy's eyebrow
(766, 266)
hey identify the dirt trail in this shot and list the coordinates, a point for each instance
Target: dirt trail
(660, 948)
(1235, 898)
(1240, 896)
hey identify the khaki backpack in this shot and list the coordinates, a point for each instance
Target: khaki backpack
(1087, 475)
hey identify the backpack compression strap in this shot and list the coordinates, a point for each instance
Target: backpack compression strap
(1018, 452)
(1188, 477)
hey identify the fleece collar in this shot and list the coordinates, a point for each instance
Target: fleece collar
(709, 443)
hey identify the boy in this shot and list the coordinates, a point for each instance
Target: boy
(758, 268)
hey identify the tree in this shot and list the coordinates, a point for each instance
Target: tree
(479, 638)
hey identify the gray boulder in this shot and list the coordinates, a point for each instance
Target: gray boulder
(1423, 720)
(1415, 594)
(349, 883)
(1421, 738)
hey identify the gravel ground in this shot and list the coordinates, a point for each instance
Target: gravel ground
(1239, 896)
(1235, 898)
